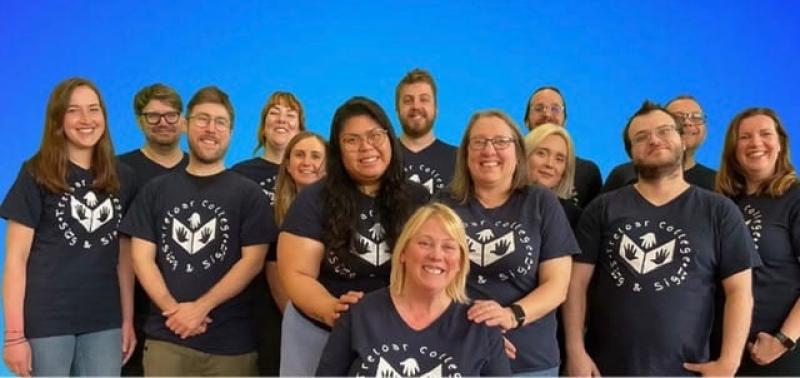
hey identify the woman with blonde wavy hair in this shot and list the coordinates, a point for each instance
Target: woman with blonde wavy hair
(756, 172)
(423, 312)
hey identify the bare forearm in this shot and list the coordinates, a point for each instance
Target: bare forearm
(275, 286)
(791, 325)
(14, 280)
(308, 294)
(153, 283)
(552, 290)
(126, 280)
(736, 325)
(574, 317)
(238, 277)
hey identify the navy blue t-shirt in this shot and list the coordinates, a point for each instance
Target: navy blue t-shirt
(625, 174)
(72, 284)
(199, 226)
(651, 298)
(431, 167)
(506, 245)
(588, 182)
(372, 340)
(366, 267)
(145, 169)
(264, 173)
(774, 224)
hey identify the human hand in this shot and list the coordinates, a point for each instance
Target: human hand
(492, 314)
(187, 319)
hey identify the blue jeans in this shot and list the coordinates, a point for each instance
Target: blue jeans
(301, 344)
(552, 372)
(85, 354)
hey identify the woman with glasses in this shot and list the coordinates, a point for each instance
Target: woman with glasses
(68, 284)
(757, 173)
(423, 313)
(336, 240)
(519, 240)
(551, 163)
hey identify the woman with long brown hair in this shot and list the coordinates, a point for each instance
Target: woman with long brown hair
(68, 283)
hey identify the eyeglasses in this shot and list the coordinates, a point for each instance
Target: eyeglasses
(661, 132)
(697, 118)
(204, 120)
(544, 108)
(499, 143)
(375, 138)
(155, 118)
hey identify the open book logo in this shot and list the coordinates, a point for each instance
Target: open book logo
(410, 368)
(647, 257)
(89, 214)
(372, 248)
(426, 176)
(488, 249)
(194, 237)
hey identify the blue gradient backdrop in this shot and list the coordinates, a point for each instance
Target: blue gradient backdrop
(606, 56)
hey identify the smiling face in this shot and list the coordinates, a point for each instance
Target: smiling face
(416, 109)
(163, 133)
(490, 166)
(548, 161)
(544, 109)
(280, 124)
(431, 258)
(689, 113)
(757, 148)
(366, 151)
(306, 162)
(84, 121)
(208, 142)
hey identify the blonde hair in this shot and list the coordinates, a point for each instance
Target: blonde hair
(731, 180)
(462, 187)
(285, 187)
(565, 185)
(456, 289)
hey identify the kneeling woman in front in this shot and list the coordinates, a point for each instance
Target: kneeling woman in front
(418, 326)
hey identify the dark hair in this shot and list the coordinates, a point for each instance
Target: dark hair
(681, 97)
(392, 202)
(158, 92)
(50, 165)
(646, 108)
(528, 105)
(210, 95)
(731, 180)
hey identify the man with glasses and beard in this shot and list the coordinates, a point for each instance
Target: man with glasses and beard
(662, 249)
(426, 160)
(199, 237)
(158, 113)
(692, 122)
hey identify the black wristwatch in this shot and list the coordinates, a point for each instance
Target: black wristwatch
(787, 342)
(519, 314)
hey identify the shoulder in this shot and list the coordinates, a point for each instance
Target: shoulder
(374, 301)
(589, 165)
(443, 146)
(245, 164)
(130, 156)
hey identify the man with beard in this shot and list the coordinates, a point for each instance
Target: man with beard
(427, 160)
(662, 249)
(547, 105)
(199, 236)
(693, 126)
(158, 113)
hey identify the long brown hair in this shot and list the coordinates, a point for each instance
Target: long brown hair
(51, 163)
(279, 98)
(731, 180)
(286, 188)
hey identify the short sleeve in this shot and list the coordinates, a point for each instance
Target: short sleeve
(557, 237)
(304, 217)
(23, 203)
(589, 234)
(736, 250)
(139, 221)
(338, 354)
(258, 223)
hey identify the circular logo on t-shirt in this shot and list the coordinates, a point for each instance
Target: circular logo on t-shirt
(268, 187)
(648, 256)
(753, 219)
(87, 218)
(500, 248)
(402, 360)
(426, 176)
(194, 236)
(368, 244)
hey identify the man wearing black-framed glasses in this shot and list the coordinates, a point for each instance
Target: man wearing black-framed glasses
(158, 114)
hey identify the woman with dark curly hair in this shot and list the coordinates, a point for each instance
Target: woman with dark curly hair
(757, 173)
(337, 238)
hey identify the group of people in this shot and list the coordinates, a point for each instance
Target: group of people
(372, 254)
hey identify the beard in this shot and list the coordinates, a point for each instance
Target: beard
(414, 131)
(198, 154)
(163, 140)
(655, 171)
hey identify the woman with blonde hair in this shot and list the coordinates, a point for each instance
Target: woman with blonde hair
(551, 163)
(68, 282)
(756, 172)
(519, 240)
(418, 325)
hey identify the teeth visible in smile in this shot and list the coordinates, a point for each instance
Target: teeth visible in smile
(86, 130)
(369, 160)
(433, 270)
(756, 154)
(209, 142)
(490, 164)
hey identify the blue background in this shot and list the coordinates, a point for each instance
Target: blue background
(606, 57)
